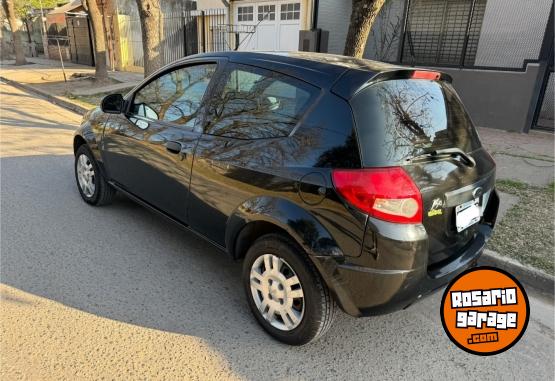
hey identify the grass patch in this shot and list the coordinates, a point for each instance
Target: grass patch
(511, 185)
(526, 231)
(82, 102)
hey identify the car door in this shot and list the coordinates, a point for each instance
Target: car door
(148, 150)
(245, 145)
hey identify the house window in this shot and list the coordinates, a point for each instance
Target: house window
(245, 13)
(437, 29)
(291, 11)
(266, 12)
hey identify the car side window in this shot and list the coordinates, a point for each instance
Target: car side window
(257, 104)
(175, 96)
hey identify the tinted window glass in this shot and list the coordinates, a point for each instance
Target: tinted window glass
(399, 119)
(256, 104)
(175, 96)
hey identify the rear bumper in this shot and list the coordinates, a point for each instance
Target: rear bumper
(366, 291)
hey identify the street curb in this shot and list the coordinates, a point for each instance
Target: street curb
(49, 97)
(533, 277)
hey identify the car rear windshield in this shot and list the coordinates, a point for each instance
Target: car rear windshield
(400, 119)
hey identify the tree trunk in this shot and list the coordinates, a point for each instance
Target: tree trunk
(101, 70)
(151, 29)
(362, 17)
(16, 32)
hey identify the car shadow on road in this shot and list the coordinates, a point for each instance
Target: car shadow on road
(125, 263)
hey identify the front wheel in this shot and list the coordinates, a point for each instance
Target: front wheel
(93, 187)
(285, 291)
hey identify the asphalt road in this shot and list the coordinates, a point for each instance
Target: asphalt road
(116, 292)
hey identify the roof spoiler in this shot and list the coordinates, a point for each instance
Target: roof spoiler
(353, 81)
(410, 74)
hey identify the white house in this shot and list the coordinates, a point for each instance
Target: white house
(271, 25)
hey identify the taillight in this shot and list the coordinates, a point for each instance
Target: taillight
(385, 193)
(424, 74)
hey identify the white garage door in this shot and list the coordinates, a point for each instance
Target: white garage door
(277, 25)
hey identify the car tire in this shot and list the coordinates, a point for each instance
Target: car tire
(92, 185)
(314, 312)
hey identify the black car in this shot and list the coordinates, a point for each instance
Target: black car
(337, 180)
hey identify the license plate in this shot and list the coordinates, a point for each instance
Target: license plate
(467, 214)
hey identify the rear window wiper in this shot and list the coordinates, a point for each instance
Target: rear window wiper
(439, 153)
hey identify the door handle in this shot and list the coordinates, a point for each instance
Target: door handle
(173, 147)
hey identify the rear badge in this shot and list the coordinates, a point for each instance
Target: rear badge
(437, 208)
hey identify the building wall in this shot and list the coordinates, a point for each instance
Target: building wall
(334, 16)
(512, 31)
(209, 4)
(54, 52)
(497, 99)
(384, 38)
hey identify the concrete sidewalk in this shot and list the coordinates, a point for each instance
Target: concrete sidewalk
(47, 78)
(528, 158)
(42, 70)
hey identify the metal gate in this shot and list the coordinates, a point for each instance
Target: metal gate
(441, 32)
(214, 34)
(544, 119)
(179, 37)
(80, 43)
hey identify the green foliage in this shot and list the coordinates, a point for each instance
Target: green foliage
(23, 7)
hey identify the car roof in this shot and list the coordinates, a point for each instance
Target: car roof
(320, 69)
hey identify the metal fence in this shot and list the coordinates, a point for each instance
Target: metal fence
(442, 33)
(547, 110)
(214, 34)
(80, 38)
(131, 41)
(179, 38)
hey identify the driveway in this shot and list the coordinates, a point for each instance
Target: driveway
(117, 292)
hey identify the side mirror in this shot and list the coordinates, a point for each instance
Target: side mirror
(112, 104)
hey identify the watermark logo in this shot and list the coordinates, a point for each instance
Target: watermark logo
(485, 311)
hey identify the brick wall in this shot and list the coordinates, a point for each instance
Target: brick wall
(54, 54)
